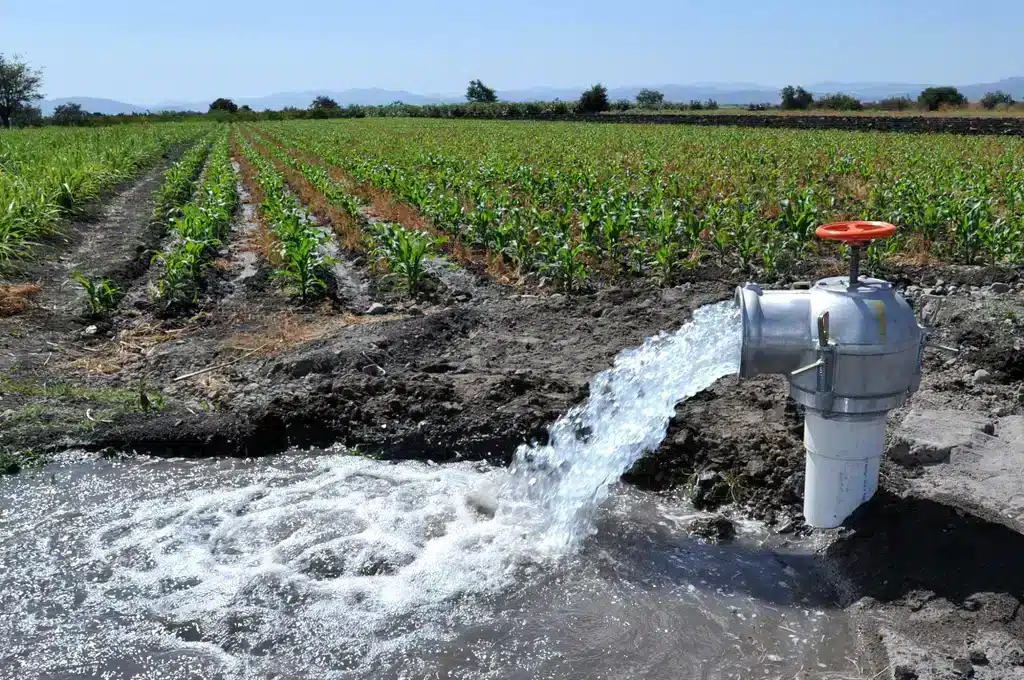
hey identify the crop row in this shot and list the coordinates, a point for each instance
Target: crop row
(300, 259)
(570, 200)
(401, 252)
(53, 174)
(179, 181)
(197, 229)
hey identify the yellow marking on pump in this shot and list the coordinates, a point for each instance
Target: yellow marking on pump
(879, 309)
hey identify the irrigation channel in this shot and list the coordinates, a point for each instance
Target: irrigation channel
(323, 564)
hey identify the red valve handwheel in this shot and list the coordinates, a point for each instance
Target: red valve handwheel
(855, 232)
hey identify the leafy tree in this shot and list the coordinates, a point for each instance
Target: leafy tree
(696, 105)
(711, 105)
(69, 114)
(19, 87)
(650, 99)
(478, 92)
(27, 116)
(594, 100)
(839, 102)
(894, 104)
(622, 105)
(324, 102)
(993, 99)
(934, 98)
(225, 105)
(796, 98)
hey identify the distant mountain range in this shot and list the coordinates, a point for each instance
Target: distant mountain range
(723, 93)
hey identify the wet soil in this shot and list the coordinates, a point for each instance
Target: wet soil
(478, 367)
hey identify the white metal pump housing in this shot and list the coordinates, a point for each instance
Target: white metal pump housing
(851, 349)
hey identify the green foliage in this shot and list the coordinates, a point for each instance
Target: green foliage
(19, 87)
(197, 227)
(404, 251)
(795, 98)
(102, 295)
(303, 264)
(993, 99)
(901, 103)
(68, 114)
(594, 202)
(594, 100)
(478, 92)
(52, 174)
(839, 102)
(179, 182)
(935, 98)
(650, 99)
(324, 102)
(224, 105)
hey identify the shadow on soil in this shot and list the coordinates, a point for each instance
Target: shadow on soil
(903, 546)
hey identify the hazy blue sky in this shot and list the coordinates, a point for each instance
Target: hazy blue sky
(145, 51)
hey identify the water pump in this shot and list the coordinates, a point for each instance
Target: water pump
(851, 349)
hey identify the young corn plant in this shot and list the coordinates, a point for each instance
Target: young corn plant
(404, 252)
(102, 295)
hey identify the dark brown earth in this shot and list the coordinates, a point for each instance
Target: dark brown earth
(478, 368)
(959, 125)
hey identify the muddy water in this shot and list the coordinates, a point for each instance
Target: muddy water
(326, 565)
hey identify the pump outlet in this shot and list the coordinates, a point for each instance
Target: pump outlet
(851, 350)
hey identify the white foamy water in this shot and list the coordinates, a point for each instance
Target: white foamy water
(557, 487)
(326, 565)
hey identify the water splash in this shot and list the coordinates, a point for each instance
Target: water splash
(556, 488)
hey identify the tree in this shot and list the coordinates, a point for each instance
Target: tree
(622, 105)
(19, 87)
(27, 116)
(594, 100)
(323, 102)
(478, 92)
(934, 98)
(696, 105)
(992, 99)
(839, 102)
(796, 98)
(225, 105)
(69, 114)
(650, 99)
(711, 105)
(901, 103)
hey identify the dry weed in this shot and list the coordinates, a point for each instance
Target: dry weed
(16, 298)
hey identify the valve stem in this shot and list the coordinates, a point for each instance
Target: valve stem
(854, 264)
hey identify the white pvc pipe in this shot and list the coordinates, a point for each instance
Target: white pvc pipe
(842, 466)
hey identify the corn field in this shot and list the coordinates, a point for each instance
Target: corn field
(53, 174)
(572, 200)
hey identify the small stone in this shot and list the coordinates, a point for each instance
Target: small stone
(715, 528)
(938, 290)
(963, 668)
(377, 308)
(980, 377)
(978, 657)
(90, 330)
(414, 311)
(952, 290)
(371, 370)
(904, 672)
(1015, 657)
(999, 288)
